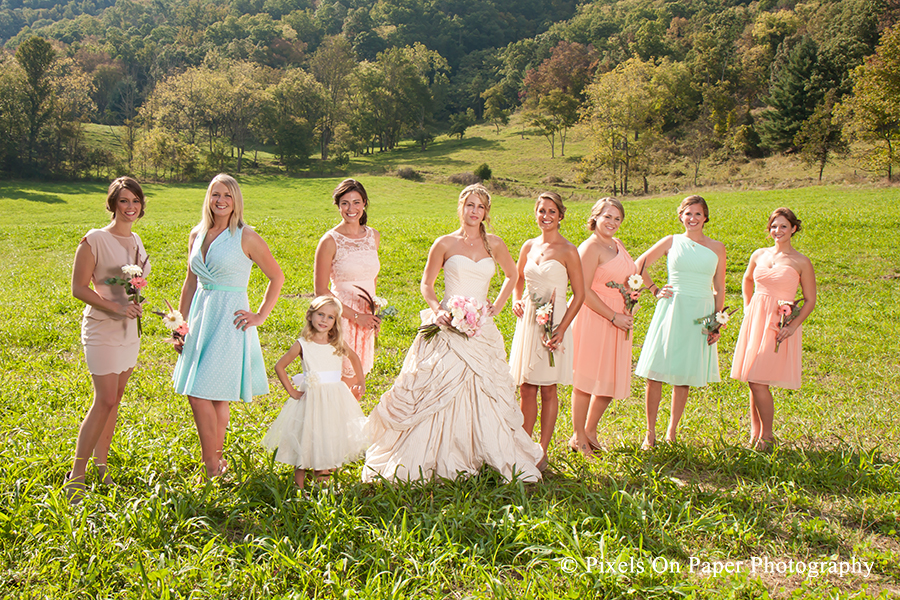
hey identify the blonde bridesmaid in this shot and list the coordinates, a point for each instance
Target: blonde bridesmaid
(766, 353)
(602, 346)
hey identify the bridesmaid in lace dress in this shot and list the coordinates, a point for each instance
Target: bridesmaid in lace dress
(347, 256)
(773, 274)
(547, 264)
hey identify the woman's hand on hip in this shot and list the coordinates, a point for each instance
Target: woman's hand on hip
(244, 319)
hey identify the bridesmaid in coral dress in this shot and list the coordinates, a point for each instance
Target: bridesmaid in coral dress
(347, 256)
(766, 353)
(602, 368)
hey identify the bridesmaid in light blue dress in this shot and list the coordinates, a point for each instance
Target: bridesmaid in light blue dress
(675, 350)
(221, 359)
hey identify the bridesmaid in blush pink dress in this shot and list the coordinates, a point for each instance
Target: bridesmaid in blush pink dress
(347, 256)
(773, 275)
(602, 369)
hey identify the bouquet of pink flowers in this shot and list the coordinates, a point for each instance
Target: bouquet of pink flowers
(630, 294)
(788, 311)
(543, 316)
(174, 322)
(467, 316)
(134, 282)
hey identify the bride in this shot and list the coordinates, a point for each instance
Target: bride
(452, 408)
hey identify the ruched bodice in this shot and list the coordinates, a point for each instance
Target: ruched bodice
(466, 277)
(779, 281)
(544, 280)
(691, 267)
(619, 269)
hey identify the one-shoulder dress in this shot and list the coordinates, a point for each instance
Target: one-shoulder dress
(324, 428)
(452, 409)
(675, 349)
(755, 359)
(355, 264)
(602, 365)
(220, 361)
(529, 359)
(111, 342)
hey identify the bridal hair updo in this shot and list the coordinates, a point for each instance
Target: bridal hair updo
(352, 185)
(555, 199)
(787, 214)
(598, 208)
(485, 196)
(116, 187)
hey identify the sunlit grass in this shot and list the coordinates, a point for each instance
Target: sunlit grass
(832, 489)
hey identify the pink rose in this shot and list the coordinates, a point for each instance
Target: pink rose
(138, 282)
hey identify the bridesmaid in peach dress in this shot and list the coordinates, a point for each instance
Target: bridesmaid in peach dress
(347, 256)
(602, 369)
(773, 274)
(547, 265)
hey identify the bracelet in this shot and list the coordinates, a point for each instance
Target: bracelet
(356, 316)
(613, 319)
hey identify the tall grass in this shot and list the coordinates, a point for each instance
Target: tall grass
(829, 492)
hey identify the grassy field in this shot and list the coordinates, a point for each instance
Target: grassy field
(830, 492)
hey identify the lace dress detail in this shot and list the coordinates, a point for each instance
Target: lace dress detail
(356, 264)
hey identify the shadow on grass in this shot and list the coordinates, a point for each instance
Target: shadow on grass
(32, 196)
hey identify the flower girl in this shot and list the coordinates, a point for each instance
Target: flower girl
(321, 425)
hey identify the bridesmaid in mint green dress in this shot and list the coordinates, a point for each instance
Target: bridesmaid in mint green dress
(675, 350)
(221, 359)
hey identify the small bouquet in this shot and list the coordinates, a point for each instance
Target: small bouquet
(543, 316)
(788, 311)
(174, 322)
(134, 282)
(714, 322)
(630, 294)
(377, 305)
(467, 316)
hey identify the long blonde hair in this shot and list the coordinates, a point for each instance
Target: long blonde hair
(480, 191)
(237, 214)
(336, 333)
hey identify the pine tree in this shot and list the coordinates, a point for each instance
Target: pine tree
(793, 95)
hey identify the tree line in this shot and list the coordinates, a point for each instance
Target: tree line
(193, 85)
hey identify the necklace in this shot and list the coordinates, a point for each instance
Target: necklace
(468, 241)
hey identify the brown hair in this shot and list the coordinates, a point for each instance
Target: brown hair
(690, 201)
(556, 199)
(336, 333)
(116, 187)
(787, 214)
(598, 207)
(480, 191)
(352, 185)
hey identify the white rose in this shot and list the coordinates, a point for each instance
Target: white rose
(133, 270)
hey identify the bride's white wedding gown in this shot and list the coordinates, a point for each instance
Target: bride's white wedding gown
(452, 409)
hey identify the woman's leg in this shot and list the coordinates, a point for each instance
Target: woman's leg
(101, 450)
(652, 396)
(679, 400)
(580, 405)
(764, 405)
(223, 414)
(549, 414)
(99, 421)
(528, 404)
(206, 420)
(755, 423)
(599, 404)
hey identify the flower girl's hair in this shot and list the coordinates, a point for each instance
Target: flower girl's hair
(336, 334)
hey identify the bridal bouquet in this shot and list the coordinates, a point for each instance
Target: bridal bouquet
(788, 311)
(133, 281)
(467, 316)
(543, 316)
(630, 294)
(714, 322)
